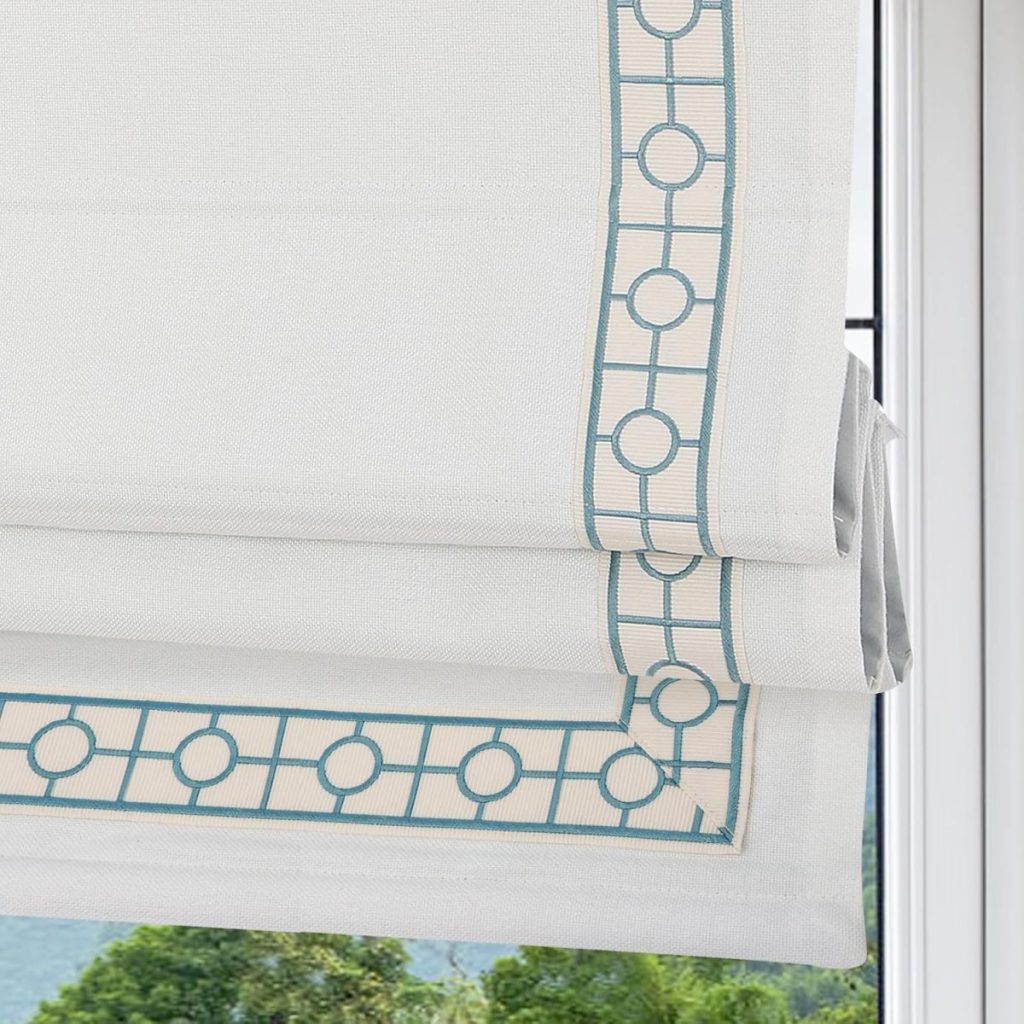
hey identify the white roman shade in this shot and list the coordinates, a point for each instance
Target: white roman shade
(435, 498)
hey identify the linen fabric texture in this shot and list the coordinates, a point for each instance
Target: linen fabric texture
(435, 498)
(836, 626)
(250, 308)
(794, 893)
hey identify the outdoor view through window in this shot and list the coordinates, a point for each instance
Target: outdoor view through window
(75, 972)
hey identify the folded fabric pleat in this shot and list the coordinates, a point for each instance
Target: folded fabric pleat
(836, 626)
(794, 894)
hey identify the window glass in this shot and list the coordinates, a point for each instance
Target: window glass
(861, 342)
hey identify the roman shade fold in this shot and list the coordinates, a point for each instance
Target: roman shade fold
(793, 893)
(435, 496)
(834, 626)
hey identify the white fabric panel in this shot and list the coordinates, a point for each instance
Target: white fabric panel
(526, 608)
(794, 894)
(249, 307)
(236, 303)
(44, 663)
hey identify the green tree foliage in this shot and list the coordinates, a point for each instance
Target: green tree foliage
(808, 989)
(864, 1011)
(165, 975)
(463, 1002)
(332, 979)
(156, 976)
(735, 1000)
(558, 986)
(565, 986)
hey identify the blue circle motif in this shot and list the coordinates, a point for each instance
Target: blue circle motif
(665, 684)
(674, 321)
(629, 805)
(350, 741)
(483, 798)
(634, 467)
(63, 724)
(680, 129)
(186, 779)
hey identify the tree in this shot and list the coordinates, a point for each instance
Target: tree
(736, 1000)
(808, 989)
(332, 979)
(156, 976)
(463, 1003)
(864, 1011)
(564, 986)
(164, 975)
(167, 975)
(558, 986)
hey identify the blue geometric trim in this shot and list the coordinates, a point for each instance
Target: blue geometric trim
(666, 268)
(671, 763)
(664, 610)
(494, 775)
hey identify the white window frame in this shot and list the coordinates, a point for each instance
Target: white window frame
(1003, 424)
(933, 744)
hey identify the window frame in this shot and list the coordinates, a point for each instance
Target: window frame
(1002, 158)
(932, 846)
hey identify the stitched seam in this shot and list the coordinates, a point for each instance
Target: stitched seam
(303, 869)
